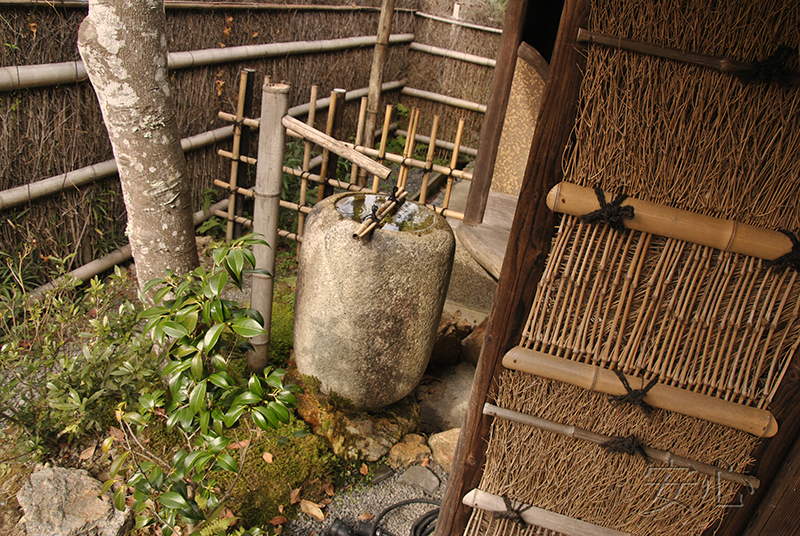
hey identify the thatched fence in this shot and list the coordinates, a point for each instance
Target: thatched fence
(55, 131)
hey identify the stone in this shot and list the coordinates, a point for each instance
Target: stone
(65, 502)
(473, 343)
(420, 478)
(366, 311)
(443, 400)
(354, 434)
(411, 450)
(453, 327)
(443, 447)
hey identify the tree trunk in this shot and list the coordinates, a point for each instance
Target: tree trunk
(124, 48)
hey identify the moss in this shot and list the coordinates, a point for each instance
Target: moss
(282, 330)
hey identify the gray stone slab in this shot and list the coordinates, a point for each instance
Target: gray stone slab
(420, 478)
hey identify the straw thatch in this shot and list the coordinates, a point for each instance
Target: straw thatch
(721, 324)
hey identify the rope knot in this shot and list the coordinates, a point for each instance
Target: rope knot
(512, 513)
(634, 396)
(773, 68)
(611, 213)
(626, 445)
(788, 259)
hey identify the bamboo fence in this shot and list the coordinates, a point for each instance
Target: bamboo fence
(684, 294)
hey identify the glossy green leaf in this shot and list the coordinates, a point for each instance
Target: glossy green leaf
(221, 379)
(269, 414)
(247, 327)
(197, 398)
(260, 420)
(116, 465)
(119, 499)
(212, 336)
(170, 499)
(280, 411)
(227, 462)
(197, 367)
(255, 387)
(173, 329)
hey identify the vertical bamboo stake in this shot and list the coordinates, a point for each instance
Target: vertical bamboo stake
(382, 150)
(423, 193)
(376, 73)
(237, 134)
(453, 163)
(362, 115)
(408, 150)
(301, 217)
(269, 177)
(243, 180)
(337, 100)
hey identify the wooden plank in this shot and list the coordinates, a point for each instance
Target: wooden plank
(770, 456)
(528, 246)
(492, 126)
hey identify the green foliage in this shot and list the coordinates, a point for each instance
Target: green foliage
(200, 331)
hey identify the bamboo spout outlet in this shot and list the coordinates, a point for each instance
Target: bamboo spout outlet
(752, 420)
(725, 235)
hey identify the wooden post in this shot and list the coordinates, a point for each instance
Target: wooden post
(376, 74)
(528, 246)
(243, 175)
(269, 178)
(495, 111)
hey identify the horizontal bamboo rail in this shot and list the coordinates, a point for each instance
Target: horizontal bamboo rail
(662, 456)
(89, 174)
(118, 256)
(228, 6)
(459, 23)
(246, 222)
(413, 162)
(27, 76)
(440, 143)
(538, 516)
(758, 422)
(725, 235)
(444, 99)
(452, 54)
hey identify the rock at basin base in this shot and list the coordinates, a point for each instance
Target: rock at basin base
(443, 447)
(64, 502)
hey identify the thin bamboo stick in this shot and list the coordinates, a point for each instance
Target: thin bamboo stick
(459, 23)
(441, 144)
(312, 114)
(362, 118)
(453, 162)
(303, 109)
(237, 134)
(752, 420)
(452, 54)
(423, 192)
(444, 99)
(538, 516)
(412, 162)
(666, 457)
(212, 6)
(725, 235)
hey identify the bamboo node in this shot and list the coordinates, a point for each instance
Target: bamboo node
(626, 445)
(791, 258)
(611, 213)
(634, 396)
(773, 68)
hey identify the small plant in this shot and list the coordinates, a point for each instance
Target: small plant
(201, 333)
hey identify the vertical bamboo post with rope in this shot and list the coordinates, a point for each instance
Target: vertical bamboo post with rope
(335, 109)
(237, 138)
(301, 217)
(453, 163)
(362, 116)
(243, 180)
(384, 138)
(423, 193)
(269, 178)
(376, 74)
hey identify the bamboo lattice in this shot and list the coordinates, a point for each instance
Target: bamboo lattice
(721, 324)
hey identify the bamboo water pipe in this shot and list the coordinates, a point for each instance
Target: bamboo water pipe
(568, 526)
(758, 422)
(662, 456)
(365, 228)
(336, 146)
(725, 235)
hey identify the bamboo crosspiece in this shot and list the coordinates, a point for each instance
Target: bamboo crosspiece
(388, 206)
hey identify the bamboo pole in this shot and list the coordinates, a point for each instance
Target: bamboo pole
(441, 144)
(211, 6)
(532, 515)
(758, 422)
(303, 109)
(269, 179)
(444, 99)
(27, 76)
(389, 205)
(412, 162)
(362, 117)
(312, 114)
(662, 456)
(336, 146)
(725, 235)
(453, 161)
(452, 54)
(423, 193)
(118, 256)
(336, 104)
(459, 23)
(237, 138)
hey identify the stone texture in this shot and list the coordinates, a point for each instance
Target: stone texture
(453, 327)
(420, 478)
(472, 344)
(443, 403)
(366, 311)
(411, 450)
(443, 447)
(64, 502)
(355, 434)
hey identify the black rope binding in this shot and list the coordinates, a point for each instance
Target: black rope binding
(634, 396)
(512, 513)
(788, 259)
(774, 68)
(626, 445)
(611, 213)
(393, 197)
(373, 216)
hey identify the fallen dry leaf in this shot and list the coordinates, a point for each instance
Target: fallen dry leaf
(255, 34)
(364, 469)
(278, 520)
(116, 433)
(426, 462)
(267, 457)
(328, 488)
(239, 444)
(280, 508)
(294, 496)
(325, 502)
(313, 510)
(88, 452)
(366, 516)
